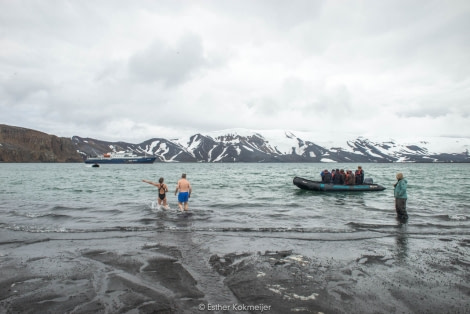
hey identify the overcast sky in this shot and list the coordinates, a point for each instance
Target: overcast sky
(134, 70)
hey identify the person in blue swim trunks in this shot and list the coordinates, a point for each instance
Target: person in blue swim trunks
(184, 192)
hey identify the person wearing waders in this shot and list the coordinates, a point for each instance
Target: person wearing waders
(400, 197)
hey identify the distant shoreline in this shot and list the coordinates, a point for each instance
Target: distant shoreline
(244, 162)
(276, 146)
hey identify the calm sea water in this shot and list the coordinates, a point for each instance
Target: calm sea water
(235, 198)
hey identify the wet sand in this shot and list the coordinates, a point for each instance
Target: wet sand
(197, 272)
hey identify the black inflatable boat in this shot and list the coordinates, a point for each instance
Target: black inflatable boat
(310, 185)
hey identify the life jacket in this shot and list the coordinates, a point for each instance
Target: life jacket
(359, 176)
(327, 177)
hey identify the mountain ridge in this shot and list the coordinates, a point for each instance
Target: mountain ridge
(244, 145)
(233, 145)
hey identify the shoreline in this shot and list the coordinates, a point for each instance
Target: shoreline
(196, 272)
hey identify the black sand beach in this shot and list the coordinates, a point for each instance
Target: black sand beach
(191, 272)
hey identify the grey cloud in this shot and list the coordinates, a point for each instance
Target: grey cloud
(61, 21)
(161, 62)
(441, 106)
(332, 103)
(19, 87)
(247, 63)
(424, 112)
(266, 106)
(282, 14)
(298, 95)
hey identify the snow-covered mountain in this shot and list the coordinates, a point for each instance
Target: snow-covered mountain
(242, 145)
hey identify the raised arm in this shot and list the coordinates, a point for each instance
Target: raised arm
(150, 182)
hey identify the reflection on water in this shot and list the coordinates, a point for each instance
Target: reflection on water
(401, 241)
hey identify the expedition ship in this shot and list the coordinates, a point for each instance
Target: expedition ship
(120, 158)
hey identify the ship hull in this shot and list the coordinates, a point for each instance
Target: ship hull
(136, 160)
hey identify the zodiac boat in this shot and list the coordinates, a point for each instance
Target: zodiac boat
(367, 186)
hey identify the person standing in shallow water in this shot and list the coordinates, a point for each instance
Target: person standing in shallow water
(184, 189)
(162, 189)
(400, 196)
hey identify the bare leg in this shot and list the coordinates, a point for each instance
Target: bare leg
(186, 206)
(180, 205)
(165, 204)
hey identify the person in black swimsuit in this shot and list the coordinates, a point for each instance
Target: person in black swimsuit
(162, 189)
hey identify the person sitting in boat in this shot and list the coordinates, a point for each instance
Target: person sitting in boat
(326, 178)
(350, 179)
(359, 175)
(338, 178)
(343, 176)
(353, 178)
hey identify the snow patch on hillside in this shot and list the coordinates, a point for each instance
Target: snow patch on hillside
(284, 141)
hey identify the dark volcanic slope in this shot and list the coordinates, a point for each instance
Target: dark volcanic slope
(25, 145)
